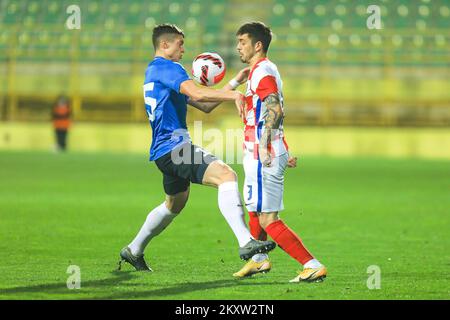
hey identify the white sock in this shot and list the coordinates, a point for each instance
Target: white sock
(313, 264)
(260, 257)
(230, 205)
(157, 220)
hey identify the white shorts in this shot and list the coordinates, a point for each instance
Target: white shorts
(263, 186)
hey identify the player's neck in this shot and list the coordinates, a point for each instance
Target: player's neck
(161, 54)
(257, 57)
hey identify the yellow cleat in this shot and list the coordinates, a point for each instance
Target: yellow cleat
(311, 275)
(252, 267)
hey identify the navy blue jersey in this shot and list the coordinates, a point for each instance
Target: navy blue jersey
(165, 105)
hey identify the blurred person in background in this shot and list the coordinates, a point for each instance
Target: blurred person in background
(61, 122)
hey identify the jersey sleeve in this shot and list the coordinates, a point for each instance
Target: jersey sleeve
(173, 75)
(266, 86)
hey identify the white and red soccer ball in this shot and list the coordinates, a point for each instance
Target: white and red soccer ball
(208, 68)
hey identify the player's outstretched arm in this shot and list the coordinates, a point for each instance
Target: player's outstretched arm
(203, 94)
(207, 107)
(272, 120)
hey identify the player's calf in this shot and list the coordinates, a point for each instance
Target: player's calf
(267, 218)
(176, 203)
(256, 229)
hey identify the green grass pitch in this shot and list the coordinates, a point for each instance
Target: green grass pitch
(80, 209)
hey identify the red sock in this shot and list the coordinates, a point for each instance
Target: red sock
(255, 228)
(288, 241)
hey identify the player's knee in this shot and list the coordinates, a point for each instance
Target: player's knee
(227, 174)
(217, 173)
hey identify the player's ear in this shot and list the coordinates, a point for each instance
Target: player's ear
(258, 46)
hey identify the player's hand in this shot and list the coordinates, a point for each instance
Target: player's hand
(292, 162)
(240, 104)
(265, 157)
(242, 75)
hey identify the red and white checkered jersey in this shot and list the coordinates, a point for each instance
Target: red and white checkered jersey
(263, 80)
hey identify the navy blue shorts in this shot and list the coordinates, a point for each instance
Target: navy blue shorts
(183, 165)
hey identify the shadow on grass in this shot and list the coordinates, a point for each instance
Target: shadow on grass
(59, 290)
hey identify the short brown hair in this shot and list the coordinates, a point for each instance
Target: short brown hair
(163, 29)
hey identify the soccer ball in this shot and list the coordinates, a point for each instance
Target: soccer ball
(208, 68)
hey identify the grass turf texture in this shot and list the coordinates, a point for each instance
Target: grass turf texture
(80, 209)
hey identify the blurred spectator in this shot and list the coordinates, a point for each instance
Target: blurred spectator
(61, 122)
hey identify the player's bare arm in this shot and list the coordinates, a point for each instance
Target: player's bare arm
(195, 93)
(272, 121)
(206, 99)
(203, 94)
(207, 107)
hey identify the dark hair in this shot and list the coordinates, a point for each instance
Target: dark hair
(163, 29)
(257, 31)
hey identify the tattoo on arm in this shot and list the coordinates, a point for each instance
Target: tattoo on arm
(273, 117)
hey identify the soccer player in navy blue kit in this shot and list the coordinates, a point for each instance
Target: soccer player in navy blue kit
(167, 91)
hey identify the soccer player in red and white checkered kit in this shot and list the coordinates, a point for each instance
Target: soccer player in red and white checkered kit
(266, 156)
